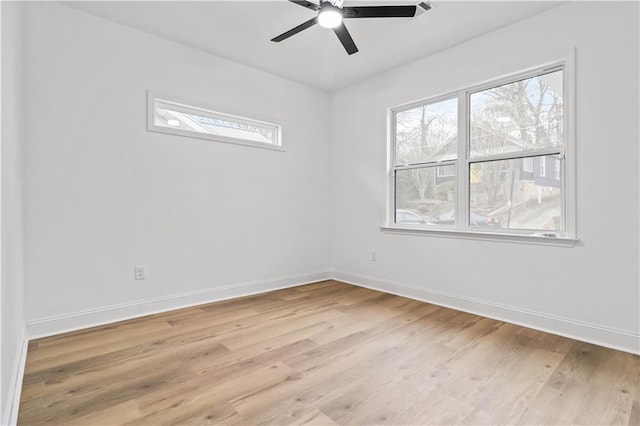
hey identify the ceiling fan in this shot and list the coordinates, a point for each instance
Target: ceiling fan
(331, 13)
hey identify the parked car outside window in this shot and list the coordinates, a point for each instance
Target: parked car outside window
(475, 219)
(405, 216)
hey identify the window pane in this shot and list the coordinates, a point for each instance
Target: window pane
(182, 117)
(524, 115)
(503, 193)
(444, 171)
(423, 197)
(427, 133)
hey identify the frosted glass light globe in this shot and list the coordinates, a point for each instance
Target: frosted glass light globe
(330, 17)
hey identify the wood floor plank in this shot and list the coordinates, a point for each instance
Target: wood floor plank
(221, 413)
(513, 387)
(274, 330)
(105, 337)
(117, 415)
(305, 390)
(326, 353)
(200, 399)
(193, 382)
(634, 418)
(426, 406)
(88, 375)
(315, 418)
(230, 324)
(564, 400)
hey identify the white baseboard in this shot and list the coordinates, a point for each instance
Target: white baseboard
(105, 315)
(587, 332)
(10, 415)
(578, 330)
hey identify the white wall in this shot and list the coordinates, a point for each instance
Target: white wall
(103, 194)
(11, 291)
(590, 291)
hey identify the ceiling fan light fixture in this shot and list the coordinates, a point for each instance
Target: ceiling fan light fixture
(329, 16)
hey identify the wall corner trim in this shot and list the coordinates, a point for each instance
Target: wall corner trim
(573, 329)
(10, 416)
(109, 314)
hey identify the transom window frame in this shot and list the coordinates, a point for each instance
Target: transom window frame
(567, 154)
(198, 108)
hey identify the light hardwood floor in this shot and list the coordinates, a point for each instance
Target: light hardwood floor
(325, 353)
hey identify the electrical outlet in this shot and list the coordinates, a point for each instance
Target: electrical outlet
(138, 272)
(373, 256)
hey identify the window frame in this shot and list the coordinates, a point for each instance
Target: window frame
(567, 236)
(193, 107)
(527, 164)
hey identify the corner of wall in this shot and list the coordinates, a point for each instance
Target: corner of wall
(10, 411)
(13, 332)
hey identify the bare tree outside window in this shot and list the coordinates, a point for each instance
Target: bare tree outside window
(426, 134)
(525, 115)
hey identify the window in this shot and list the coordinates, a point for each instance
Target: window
(527, 164)
(464, 162)
(425, 158)
(179, 118)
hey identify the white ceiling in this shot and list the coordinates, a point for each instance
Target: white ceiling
(242, 30)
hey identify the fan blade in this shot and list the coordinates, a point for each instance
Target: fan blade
(345, 38)
(311, 22)
(306, 4)
(379, 12)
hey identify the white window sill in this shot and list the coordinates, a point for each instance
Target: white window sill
(536, 239)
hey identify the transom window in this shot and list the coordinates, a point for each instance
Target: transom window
(167, 115)
(487, 159)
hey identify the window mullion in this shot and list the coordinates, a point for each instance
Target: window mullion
(426, 164)
(391, 178)
(462, 172)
